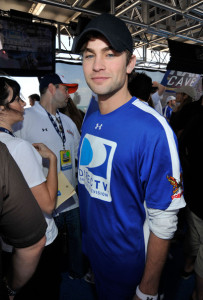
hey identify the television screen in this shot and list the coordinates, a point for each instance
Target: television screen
(185, 57)
(26, 48)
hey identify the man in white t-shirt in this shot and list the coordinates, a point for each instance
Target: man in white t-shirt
(156, 97)
(44, 123)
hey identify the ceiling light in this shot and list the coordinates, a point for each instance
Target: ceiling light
(38, 9)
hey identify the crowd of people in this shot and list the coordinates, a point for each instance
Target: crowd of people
(134, 166)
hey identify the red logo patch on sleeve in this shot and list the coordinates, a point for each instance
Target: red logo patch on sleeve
(176, 186)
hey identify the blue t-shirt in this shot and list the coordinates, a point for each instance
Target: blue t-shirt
(126, 157)
(167, 111)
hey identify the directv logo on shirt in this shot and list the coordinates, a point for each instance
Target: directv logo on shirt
(96, 156)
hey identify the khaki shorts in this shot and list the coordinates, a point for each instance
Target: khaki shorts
(194, 241)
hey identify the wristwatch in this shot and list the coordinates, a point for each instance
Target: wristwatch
(10, 291)
(143, 296)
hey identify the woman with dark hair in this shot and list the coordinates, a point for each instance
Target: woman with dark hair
(11, 112)
(29, 159)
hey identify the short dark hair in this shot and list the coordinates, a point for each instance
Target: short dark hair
(140, 85)
(35, 97)
(43, 91)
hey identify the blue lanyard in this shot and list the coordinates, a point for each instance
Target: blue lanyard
(6, 131)
(59, 129)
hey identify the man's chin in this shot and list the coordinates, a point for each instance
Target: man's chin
(63, 105)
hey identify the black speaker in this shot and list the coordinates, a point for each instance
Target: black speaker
(16, 14)
(185, 57)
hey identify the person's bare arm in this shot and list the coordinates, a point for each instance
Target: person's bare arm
(156, 256)
(161, 88)
(24, 263)
(46, 192)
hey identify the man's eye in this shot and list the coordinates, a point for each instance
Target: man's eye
(110, 54)
(88, 56)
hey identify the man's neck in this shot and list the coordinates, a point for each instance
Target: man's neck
(109, 104)
(48, 106)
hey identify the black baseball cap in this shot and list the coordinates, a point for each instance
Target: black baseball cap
(112, 28)
(56, 79)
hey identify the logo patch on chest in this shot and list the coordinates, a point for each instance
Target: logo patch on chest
(95, 164)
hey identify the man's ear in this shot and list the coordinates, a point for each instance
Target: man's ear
(51, 88)
(2, 107)
(131, 64)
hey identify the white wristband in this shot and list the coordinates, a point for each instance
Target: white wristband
(144, 296)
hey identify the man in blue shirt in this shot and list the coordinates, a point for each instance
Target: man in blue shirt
(170, 104)
(130, 187)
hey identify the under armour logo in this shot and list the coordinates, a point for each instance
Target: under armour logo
(150, 298)
(44, 129)
(98, 126)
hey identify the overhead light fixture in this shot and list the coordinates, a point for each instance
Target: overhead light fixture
(155, 46)
(38, 9)
(165, 49)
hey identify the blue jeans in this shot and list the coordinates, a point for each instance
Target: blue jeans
(69, 227)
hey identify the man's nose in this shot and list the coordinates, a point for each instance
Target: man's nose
(98, 64)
